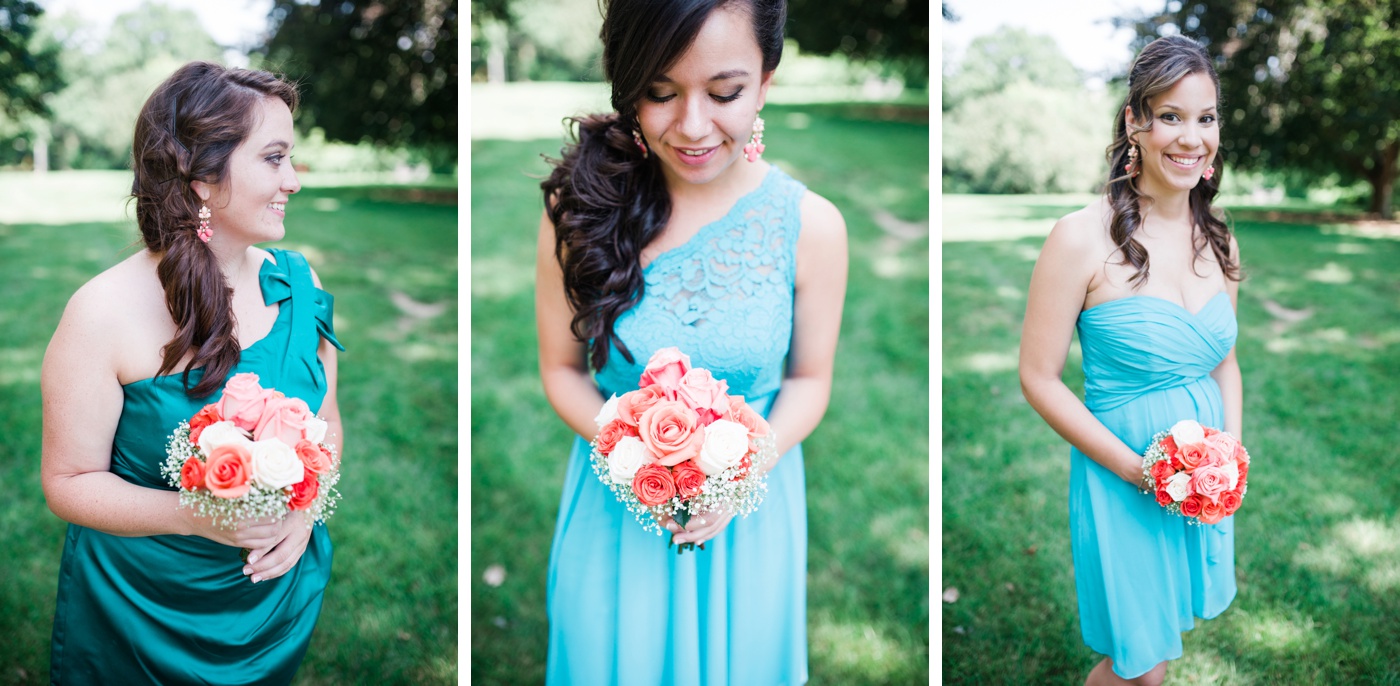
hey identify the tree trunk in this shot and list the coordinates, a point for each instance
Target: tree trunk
(1382, 178)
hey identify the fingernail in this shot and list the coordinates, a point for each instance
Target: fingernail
(253, 559)
(247, 570)
(257, 578)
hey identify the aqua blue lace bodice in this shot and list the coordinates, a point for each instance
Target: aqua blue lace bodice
(724, 297)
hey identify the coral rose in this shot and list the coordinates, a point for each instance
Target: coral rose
(653, 485)
(206, 416)
(1209, 483)
(705, 394)
(1169, 445)
(304, 493)
(1191, 507)
(313, 457)
(1230, 500)
(666, 368)
(688, 478)
(192, 474)
(741, 412)
(1192, 455)
(243, 401)
(1176, 463)
(611, 433)
(227, 471)
(1162, 470)
(283, 419)
(672, 432)
(1212, 513)
(1163, 497)
(633, 404)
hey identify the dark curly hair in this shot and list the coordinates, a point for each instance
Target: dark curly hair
(1156, 70)
(606, 200)
(187, 131)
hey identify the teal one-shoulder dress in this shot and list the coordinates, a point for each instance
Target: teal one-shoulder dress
(1143, 575)
(178, 609)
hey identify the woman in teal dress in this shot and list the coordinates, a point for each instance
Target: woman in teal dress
(150, 592)
(665, 227)
(1149, 276)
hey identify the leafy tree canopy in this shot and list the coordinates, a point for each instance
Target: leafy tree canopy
(377, 70)
(892, 30)
(27, 71)
(1007, 56)
(1306, 85)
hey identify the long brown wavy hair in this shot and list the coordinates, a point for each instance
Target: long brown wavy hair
(606, 199)
(1156, 70)
(187, 131)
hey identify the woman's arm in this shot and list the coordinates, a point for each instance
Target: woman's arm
(1058, 287)
(82, 404)
(1227, 374)
(820, 294)
(563, 359)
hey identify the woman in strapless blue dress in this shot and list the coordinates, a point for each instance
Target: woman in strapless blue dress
(150, 592)
(1148, 275)
(664, 227)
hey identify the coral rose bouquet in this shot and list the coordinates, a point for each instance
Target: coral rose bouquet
(1197, 472)
(681, 446)
(254, 453)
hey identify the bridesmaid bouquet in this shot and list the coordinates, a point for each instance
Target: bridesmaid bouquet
(679, 445)
(1197, 472)
(254, 453)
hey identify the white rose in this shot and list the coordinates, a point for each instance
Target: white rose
(221, 433)
(608, 413)
(1179, 486)
(1188, 431)
(275, 464)
(316, 429)
(726, 443)
(1232, 472)
(627, 457)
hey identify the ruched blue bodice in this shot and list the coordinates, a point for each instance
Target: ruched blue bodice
(623, 608)
(1141, 574)
(177, 609)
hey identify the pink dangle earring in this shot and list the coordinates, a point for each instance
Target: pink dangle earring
(637, 138)
(1131, 166)
(204, 232)
(754, 148)
(1210, 171)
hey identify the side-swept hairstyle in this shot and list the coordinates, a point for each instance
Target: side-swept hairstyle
(1156, 70)
(606, 199)
(187, 131)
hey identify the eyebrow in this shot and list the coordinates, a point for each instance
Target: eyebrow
(722, 76)
(278, 144)
(1179, 108)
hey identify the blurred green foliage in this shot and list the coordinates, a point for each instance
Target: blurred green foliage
(383, 71)
(557, 40)
(1309, 87)
(1018, 119)
(28, 68)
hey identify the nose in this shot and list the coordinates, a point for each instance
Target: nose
(290, 182)
(1190, 135)
(695, 121)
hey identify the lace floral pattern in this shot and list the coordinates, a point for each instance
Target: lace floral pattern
(724, 297)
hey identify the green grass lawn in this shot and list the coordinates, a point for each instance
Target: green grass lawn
(1318, 541)
(390, 612)
(867, 464)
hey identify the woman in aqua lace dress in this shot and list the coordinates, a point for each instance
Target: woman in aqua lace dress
(1149, 276)
(150, 592)
(665, 227)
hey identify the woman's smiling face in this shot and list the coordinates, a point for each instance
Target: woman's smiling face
(697, 116)
(250, 203)
(1184, 137)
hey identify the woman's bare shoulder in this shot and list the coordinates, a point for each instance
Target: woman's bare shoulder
(125, 298)
(1084, 231)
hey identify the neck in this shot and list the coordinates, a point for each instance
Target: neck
(1168, 205)
(234, 260)
(736, 181)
